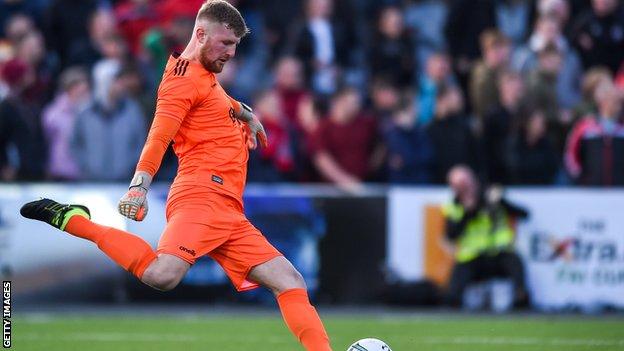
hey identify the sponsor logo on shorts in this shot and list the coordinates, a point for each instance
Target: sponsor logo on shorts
(192, 252)
(217, 179)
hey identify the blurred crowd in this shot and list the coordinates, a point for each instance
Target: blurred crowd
(350, 91)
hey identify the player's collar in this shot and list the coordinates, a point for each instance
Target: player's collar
(178, 56)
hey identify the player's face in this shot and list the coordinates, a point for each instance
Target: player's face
(218, 48)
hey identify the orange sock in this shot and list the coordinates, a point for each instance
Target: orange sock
(129, 251)
(302, 320)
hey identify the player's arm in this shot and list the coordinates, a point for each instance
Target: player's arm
(176, 96)
(255, 129)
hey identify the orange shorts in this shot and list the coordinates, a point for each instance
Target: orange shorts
(215, 225)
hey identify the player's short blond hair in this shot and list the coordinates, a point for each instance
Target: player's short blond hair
(223, 12)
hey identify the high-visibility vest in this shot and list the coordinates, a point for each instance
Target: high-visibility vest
(481, 235)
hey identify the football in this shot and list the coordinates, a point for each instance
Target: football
(369, 344)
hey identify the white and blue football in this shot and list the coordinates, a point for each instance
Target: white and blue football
(369, 344)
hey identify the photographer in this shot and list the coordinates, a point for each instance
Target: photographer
(480, 235)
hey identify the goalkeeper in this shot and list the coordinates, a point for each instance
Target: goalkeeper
(212, 134)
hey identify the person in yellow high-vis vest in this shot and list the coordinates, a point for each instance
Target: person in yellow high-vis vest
(480, 234)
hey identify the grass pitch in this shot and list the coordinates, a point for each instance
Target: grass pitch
(267, 333)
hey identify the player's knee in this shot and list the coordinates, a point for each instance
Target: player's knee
(162, 280)
(164, 283)
(291, 280)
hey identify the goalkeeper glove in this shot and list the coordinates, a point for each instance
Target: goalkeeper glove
(133, 204)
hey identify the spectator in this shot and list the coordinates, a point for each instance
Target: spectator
(480, 235)
(437, 73)
(427, 19)
(135, 18)
(31, 49)
(592, 79)
(112, 55)
(385, 98)
(542, 80)
(290, 86)
(391, 54)
(410, 154)
(595, 149)
(113, 47)
(22, 151)
(24, 10)
(323, 45)
(599, 35)
(136, 88)
(275, 162)
(323, 54)
(532, 158)
(467, 20)
(499, 125)
(278, 19)
(58, 123)
(109, 134)
(159, 42)
(170, 10)
(69, 28)
(513, 18)
(484, 77)
(542, 94)
(17, 27)
(450, 134)
(619, 78)
(344, 142)
(548, 32)
(558, 9)
(308, 120)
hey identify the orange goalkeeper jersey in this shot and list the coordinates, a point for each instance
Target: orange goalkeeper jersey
(195, 113)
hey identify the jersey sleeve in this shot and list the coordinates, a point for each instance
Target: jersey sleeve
(176, 97)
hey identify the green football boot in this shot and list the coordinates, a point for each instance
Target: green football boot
(53, 213)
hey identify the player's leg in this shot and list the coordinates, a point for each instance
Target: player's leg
(250, 260)
(189, 234)
(162, 272)
(277, 275)
(300, 316)
(166, 272)
(129, 251)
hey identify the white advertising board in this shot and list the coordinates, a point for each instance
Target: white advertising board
(572, 245)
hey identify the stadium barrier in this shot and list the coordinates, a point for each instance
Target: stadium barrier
(346, 246)
(572, 244)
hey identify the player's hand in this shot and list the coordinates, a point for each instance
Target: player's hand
(255, 133)
(133, 204)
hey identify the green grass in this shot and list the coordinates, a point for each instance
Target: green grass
(260, 333)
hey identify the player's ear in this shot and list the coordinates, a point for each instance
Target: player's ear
(201, 34)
